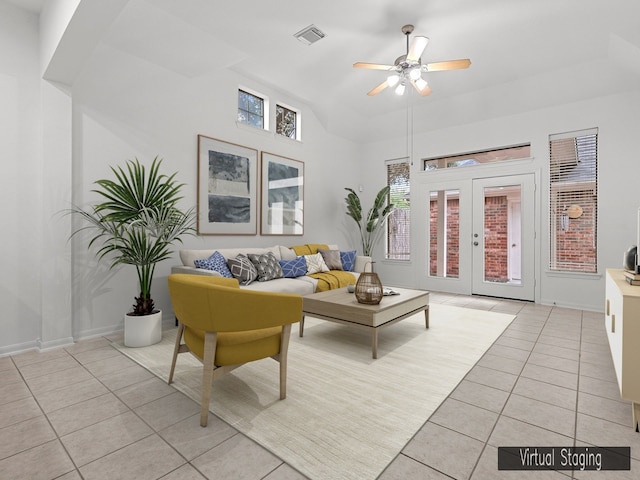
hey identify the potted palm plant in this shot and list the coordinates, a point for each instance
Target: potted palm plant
(371, 226)
(137, 224)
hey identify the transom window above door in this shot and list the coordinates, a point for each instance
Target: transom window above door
(517, 152)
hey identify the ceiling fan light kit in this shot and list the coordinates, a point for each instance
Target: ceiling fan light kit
(408, 68)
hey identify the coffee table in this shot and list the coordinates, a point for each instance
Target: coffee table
(340, 306)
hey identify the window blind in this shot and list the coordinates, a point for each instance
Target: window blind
(573, 203)
(399, 222)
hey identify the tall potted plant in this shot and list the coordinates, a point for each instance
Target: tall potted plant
(137, 223)
(371, 226)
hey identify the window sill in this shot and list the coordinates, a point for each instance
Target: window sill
(574, 275)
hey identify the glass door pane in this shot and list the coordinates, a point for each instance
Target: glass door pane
(502, 234)
(444, 233)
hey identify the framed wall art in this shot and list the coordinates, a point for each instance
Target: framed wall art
(282, 196)
(227, 188)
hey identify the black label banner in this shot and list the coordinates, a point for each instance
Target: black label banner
(564, 458)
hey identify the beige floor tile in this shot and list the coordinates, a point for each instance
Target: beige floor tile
(10, 375)
(113, 433)
(515, 343)
(557, 419)
(560, 342)
(285, 472)
(508, 352)
(44, 462)
(612, 410)
(96, 354)
(229, 460)
(557, 363)
(546, 392)
(492, 378)
(51, 400)
(597, 370)
(25, 435)
(515, 332)
(480, 395)
(126, 377)
(597, 431)
(109, 365)
(191, 440)
(144, 392)
(35, 356)
(185, 472)
(89, 344)
(435, 446)
(464, 418)
(601, 388)
(405, 468)
(556, 351)
(18, 411)
(510, 432)
(168, 410)
(550, 375)
(507, 365)
(39, 369)
(6, 363)
(60, 379)
(146, 459)
(83, 414)
(597, 348)
(12, 391)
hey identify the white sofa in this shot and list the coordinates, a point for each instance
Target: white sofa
(303, 285)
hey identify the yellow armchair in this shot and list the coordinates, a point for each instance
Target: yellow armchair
(225, 326)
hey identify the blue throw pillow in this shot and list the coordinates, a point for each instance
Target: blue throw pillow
(294, 268)
(348, 260)
(215, 262)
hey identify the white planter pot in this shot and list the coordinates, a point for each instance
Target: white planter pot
(142, 331)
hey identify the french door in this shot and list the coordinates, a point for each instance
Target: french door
(481, 236)
(503, 237)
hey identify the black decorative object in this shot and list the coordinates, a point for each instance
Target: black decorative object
(369, 288)
(629, 260)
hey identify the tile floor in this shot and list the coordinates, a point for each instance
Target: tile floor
(88, 412)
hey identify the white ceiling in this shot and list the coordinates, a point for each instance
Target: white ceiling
(508, 42)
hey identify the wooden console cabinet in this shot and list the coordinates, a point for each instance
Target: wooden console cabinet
(622, 321)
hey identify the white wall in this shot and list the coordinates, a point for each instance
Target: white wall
(21, 179)
(137, 109)
(616, 116)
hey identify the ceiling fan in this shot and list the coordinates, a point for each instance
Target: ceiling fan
(408, 68)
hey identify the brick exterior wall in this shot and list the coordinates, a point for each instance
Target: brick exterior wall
(453, 238)
(575, 247)
(496, 239)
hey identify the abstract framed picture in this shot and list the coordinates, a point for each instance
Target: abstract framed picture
(282, 196)
(227, 188)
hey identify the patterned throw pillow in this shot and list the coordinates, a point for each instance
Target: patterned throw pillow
(242, 269)
(331, 258)
(315, 264)
(267, 266)
(348, 260)
(294, 268)
(215, 262)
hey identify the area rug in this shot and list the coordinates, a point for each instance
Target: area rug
(346, 415)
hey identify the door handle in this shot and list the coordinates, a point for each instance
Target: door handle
(475, 244)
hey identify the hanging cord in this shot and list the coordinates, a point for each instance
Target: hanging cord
(410, 129)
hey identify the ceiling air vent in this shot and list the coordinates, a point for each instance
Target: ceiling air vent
(310, 34)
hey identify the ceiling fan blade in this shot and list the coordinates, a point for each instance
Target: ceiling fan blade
(374, 66)
(448, 65)
(418, 44)
(424, 92)
(378, 89)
